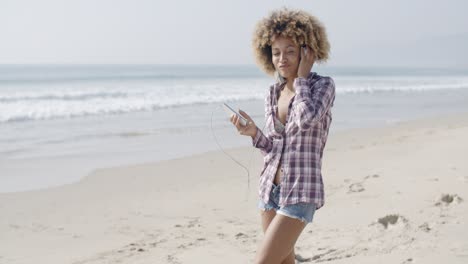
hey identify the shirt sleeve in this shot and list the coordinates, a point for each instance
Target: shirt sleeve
(311, 103)
(262, 139)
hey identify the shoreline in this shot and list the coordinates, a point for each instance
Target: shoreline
(376, 128)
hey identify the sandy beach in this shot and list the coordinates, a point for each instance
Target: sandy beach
(394, 194)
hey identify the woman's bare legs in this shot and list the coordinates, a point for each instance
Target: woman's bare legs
(283, 229)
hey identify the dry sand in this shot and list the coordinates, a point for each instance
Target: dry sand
(395, 194)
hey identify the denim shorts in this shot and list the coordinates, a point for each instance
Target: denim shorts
(302, 211)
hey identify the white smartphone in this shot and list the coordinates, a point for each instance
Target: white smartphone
(231, 111)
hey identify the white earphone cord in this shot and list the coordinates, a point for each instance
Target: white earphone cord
(250, 160)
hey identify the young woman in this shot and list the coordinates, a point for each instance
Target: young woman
(298, 116)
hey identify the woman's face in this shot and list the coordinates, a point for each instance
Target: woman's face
(285, 56)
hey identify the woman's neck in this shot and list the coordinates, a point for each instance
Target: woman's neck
(289, 84)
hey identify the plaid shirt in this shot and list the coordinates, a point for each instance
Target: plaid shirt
(299, 144)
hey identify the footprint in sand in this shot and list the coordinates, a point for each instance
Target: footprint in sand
(425, 227)
(392, 220)
(244, 238)
(359, 186)
(241, 235)
(356, 187)
(448, 199)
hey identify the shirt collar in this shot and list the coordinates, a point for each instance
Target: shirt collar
(280, 85)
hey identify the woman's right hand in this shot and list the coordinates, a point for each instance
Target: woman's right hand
(306, 62)
(250, 129)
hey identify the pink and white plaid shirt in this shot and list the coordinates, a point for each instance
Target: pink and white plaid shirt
(299, 144)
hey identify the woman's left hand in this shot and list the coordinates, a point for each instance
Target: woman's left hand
(250, 128)
(307, 60)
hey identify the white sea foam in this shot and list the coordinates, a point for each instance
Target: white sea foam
(64, 101)
(32, 100)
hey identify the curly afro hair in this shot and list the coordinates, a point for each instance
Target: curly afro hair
(300, 26)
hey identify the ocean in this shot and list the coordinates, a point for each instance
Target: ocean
(60, 122)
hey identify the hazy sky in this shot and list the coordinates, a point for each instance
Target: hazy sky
(362, 33)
